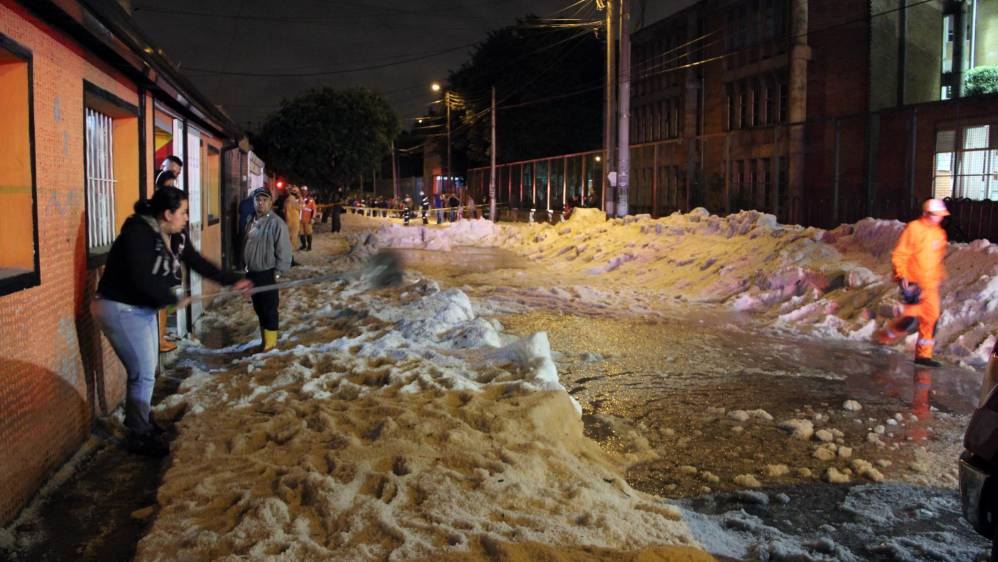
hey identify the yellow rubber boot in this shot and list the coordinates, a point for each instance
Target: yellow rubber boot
(269, 340)
(165, 345)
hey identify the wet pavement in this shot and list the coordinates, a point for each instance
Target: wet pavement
(668, 390)
(658, 389)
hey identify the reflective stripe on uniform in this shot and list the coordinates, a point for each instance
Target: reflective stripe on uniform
(926, 342)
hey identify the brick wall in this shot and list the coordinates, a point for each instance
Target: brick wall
(55, 371)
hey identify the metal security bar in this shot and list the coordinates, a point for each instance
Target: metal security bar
(100, 181)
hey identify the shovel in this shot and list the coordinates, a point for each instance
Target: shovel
(383, 269)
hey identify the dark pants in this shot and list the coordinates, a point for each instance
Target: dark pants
(265, 304)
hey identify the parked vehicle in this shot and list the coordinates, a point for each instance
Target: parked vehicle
(979, 462)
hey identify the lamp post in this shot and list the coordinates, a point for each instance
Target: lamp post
(436, 87)
(450, 100)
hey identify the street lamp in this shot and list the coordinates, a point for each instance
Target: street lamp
(449, 99)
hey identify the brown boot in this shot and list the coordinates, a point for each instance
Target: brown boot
(165, 345)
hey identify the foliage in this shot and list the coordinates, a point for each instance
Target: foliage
(981, 80)
(325, 138)
(528, 62)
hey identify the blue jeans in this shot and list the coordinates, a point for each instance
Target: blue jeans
(133, 333)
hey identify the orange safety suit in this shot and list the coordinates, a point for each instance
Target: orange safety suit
(918, 257)
(308, 210)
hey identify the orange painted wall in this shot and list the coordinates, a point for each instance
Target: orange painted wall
(56, 372)
(126, 168)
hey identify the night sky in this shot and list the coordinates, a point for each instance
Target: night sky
(394, 47)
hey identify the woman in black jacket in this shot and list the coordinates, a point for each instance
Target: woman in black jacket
(142, 269)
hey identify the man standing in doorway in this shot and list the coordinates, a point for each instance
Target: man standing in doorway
(307, 214)
(918, 267)
(167, 176)
(170, 164)
(267, 250)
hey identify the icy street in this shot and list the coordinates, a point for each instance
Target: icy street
(690, 398)
(435, 419)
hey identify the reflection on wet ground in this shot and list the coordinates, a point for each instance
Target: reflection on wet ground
(673, 384)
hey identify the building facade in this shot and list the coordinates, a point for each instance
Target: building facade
(819, 112)
(88, 111)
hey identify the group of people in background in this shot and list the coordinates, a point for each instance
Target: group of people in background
(448, 207)
(299, 210)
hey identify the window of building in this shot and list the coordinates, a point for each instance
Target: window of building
(730, 122)
(100, 181)
(666, 119)
(784, 101)
(966, 163)
(676, 128)
(212, 181)
(767, 188)
(111, 167)
(757, 104)
(19, 263)
(768, 105)
(742, 114)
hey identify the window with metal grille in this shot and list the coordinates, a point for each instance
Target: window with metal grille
(966, 163)
(99, 164)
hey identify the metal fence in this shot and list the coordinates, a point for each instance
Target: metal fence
(526, 185)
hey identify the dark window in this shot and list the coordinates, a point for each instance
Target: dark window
(756, 106)
(743, 107)
(770, 106)
(767, 189)
(783, 102)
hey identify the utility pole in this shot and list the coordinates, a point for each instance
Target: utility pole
(492, 156)
(450, 174)
(609, 132)
(624, 106)
(395, 174)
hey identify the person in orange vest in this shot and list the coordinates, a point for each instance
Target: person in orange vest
(292, 213)
(918, 267)
(308, 210)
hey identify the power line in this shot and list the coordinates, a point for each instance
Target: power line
(317, 20)
(332, 72)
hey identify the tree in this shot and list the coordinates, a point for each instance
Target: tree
(327, 137)
(528, 62)
(981, 80)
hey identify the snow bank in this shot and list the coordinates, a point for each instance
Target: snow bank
(835, 283)
(392, 425)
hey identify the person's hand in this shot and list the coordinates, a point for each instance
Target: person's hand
(243, 285)
(903, 283)
(183, 302)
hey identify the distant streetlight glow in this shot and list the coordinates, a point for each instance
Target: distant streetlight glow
(435, 86)
(599, 159)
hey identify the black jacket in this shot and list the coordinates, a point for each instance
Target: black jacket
(142, 271)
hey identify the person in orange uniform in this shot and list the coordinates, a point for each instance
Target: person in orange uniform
(918, 267)
(292, 213)
(308, 210)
